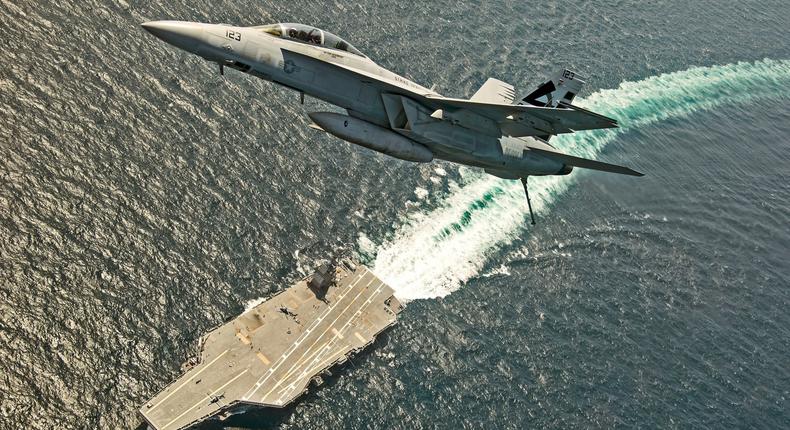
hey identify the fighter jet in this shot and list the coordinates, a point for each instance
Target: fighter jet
(505, 135)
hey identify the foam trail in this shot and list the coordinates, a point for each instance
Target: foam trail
(434, 252)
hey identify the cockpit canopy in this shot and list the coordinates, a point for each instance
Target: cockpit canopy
(307, 34)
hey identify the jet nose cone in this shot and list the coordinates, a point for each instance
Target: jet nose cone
(185, 35)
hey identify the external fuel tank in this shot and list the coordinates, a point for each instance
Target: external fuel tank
(371, 136)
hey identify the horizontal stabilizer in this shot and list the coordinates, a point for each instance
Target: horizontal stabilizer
(562, 87)
(585, 163)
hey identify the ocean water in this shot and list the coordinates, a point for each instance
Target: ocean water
(145, 199)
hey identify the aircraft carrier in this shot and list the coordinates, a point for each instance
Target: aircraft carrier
(267, 356)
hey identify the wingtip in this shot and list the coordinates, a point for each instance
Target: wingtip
(627, 171)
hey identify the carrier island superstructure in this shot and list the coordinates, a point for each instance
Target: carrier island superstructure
(267, 356)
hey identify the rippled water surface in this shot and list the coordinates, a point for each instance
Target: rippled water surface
(145, 199)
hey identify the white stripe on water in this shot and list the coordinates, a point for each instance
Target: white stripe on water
(434, 252)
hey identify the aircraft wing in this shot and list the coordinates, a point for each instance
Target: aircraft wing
(527, 120)
(495, 91)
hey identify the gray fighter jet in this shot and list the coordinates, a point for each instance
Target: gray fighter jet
(506, 136)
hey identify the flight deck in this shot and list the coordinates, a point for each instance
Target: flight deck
(267, 356)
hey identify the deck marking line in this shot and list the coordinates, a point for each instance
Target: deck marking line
(280, 361)
(312, 369)
(293, 368)
(204, 399)
(263, 358)
(188, 380)
(317, 354)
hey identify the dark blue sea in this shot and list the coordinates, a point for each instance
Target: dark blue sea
(144, 199)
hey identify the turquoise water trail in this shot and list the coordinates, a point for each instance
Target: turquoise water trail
(434, 252)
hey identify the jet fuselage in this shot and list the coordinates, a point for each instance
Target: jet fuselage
(257, 52)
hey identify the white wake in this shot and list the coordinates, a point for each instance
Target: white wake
(433, 253)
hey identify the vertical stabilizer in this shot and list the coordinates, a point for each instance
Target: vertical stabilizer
(562, 87)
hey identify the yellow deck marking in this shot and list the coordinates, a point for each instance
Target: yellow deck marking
(359, 336)
(263, 358)
(242, 338)
(337, 333)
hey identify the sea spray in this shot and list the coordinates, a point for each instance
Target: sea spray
(433, 254)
